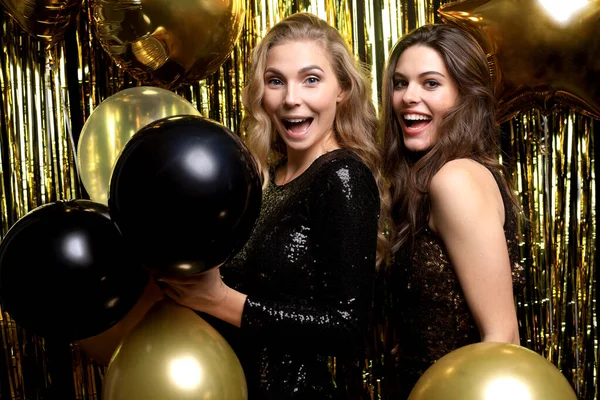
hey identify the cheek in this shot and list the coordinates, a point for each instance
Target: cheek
(396, 102)
(446, 101)
(271, 102)
(325, 107)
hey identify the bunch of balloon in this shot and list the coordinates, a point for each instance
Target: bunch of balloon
(71, 255)
(489, 371)
(167, 43)
(111, 125)
(185, 193)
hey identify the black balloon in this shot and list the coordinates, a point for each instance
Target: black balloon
(66, 272)
(186, 193)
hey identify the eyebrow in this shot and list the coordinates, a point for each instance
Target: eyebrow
(301, 71)
(422, 74)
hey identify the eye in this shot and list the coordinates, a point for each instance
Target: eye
(312, 80)
(431, 84)
(274, 82)
(399, 84)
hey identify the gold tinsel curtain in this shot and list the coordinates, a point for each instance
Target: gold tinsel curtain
(46, 96)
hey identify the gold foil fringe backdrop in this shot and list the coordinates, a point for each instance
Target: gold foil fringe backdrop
(47, 96)
(553, 164)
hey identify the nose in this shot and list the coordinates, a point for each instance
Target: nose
(292, 96)
(411, 94)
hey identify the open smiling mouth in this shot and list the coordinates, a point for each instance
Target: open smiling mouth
(297, 125)
(416, 121)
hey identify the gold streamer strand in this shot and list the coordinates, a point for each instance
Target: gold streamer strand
(87, 376)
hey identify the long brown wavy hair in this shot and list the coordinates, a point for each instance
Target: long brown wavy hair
(468, 130)
(355, 125)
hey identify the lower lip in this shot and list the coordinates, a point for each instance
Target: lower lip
(297, 135)
(413, 131)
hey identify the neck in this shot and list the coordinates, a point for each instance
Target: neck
(298, 161)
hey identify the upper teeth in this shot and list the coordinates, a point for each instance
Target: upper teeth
(416, 117)
(295, 121)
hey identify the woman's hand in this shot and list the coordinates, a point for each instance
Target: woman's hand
(206, 293)
(201, 292)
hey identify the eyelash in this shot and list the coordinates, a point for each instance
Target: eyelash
(402, 84)
(277, 81)
(274, 81)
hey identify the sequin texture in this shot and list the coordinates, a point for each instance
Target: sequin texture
(308, 270)
(433, 318)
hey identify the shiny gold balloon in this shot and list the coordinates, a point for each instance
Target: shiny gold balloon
(43, 19)
(174, 354)
(166, 42)
(492, 371)
(111, 125)
(542, 53)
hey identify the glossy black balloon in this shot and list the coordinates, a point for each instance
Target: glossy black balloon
(65, 271)
(186, 193)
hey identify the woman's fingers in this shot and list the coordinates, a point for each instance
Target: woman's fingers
(190, 280)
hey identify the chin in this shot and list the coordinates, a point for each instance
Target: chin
(297, 146)
(412, 148)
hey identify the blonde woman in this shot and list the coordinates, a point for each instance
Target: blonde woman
(300, 290)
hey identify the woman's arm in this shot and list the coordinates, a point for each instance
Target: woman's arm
(345, 211)
(467, 213)
(345, 214)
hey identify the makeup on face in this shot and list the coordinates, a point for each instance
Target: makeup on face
(423, 94)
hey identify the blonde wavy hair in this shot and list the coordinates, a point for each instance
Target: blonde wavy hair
(355, 125)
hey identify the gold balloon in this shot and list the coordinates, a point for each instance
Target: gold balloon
(168, 42)
(43, 19)
(111, 125)
(492, 371)
(542, 53)
(174, 354)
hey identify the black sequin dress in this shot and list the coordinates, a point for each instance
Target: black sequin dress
(432, 314)
(308, 270)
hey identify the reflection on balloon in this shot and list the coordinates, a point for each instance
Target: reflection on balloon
(550, 64)
(563, 11)
(166, 43)
(185, 372)
(492, 371)
(186, 193)
(111, 125)
(46, 20)
(174, 354)
(70, 255)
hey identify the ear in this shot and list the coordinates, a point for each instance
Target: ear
(341, 96)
